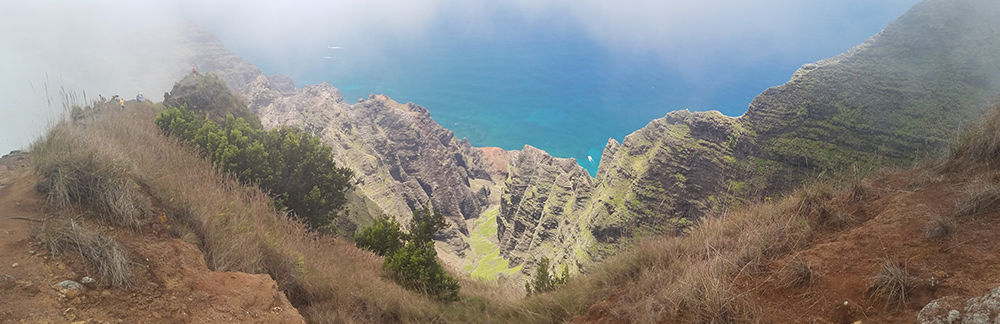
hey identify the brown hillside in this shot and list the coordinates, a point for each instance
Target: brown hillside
(173, 284)
(912, 224)
(876, 251)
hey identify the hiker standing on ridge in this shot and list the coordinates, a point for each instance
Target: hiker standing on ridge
(139, 97)
(121, 102)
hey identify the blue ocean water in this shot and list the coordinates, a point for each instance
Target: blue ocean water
(557, 89)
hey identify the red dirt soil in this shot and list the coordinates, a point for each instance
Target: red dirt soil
(890, 227)
(888, 224)
(174, 284)
(498, 157)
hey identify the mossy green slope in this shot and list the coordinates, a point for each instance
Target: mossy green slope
(896, 97)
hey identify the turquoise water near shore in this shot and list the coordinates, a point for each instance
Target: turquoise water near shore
(557, 89)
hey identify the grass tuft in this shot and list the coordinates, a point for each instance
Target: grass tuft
(978, 146)
(106, 255)
(980, 198)
(892, 285)
(798, 274)
(861, 191)
(75, 169)
(938, 227)
(810, 202)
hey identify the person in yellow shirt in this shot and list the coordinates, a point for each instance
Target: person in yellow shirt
(122, 103)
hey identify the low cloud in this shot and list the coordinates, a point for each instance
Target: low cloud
(124, 47)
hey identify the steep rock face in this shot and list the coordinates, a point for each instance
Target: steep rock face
(658, 180)
(540, 206)
(899, 95)
(211, 55)
(403, 159)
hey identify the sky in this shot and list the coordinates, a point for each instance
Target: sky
(83, 48)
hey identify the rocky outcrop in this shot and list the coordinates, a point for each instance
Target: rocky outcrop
(895, 97)
(402, 158)
(541, 205)
(955, 310)
(660, 178)
(898, 96)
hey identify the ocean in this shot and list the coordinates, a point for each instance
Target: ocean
(555, 89)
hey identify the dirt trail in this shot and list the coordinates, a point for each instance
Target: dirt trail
(175, 285)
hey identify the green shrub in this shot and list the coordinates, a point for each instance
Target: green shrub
(425, 224)
(294, 165)
(413, 265)
(208, 97)
(545, 281)
(384, 237)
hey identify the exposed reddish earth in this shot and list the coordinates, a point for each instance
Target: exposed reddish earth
(886, 223)
(174, 284)
(497, 157)
(889, 226)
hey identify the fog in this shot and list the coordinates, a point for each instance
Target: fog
(124, 47)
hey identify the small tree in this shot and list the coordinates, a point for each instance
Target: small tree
(545, 281)
(293, 165)
(426, 224)
(414, 265)
(384, 237)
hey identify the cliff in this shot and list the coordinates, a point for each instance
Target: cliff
(898, 96)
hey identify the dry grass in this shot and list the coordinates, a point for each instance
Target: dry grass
(692, 278)
(104, 254)
(797, 274)
(117, 157)
(978, 146)
(861, 191)
(979, 198)
(923, 178)
(938, 227)
(76, 169)
(892, 285)
(810, 202)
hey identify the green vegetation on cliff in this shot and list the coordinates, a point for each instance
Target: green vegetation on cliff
(412, 264)
(293, 165)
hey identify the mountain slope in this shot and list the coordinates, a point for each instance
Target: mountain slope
(877, 250)
(896, 97)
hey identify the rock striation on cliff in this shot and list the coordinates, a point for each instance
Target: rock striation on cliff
(898, 96)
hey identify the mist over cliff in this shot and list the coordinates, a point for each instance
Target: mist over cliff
(503, 91)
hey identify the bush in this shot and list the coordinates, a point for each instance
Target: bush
(384, 237)
(294, 165)
(425, 224)
(414, 265)
(544, 281)
(209, 97)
